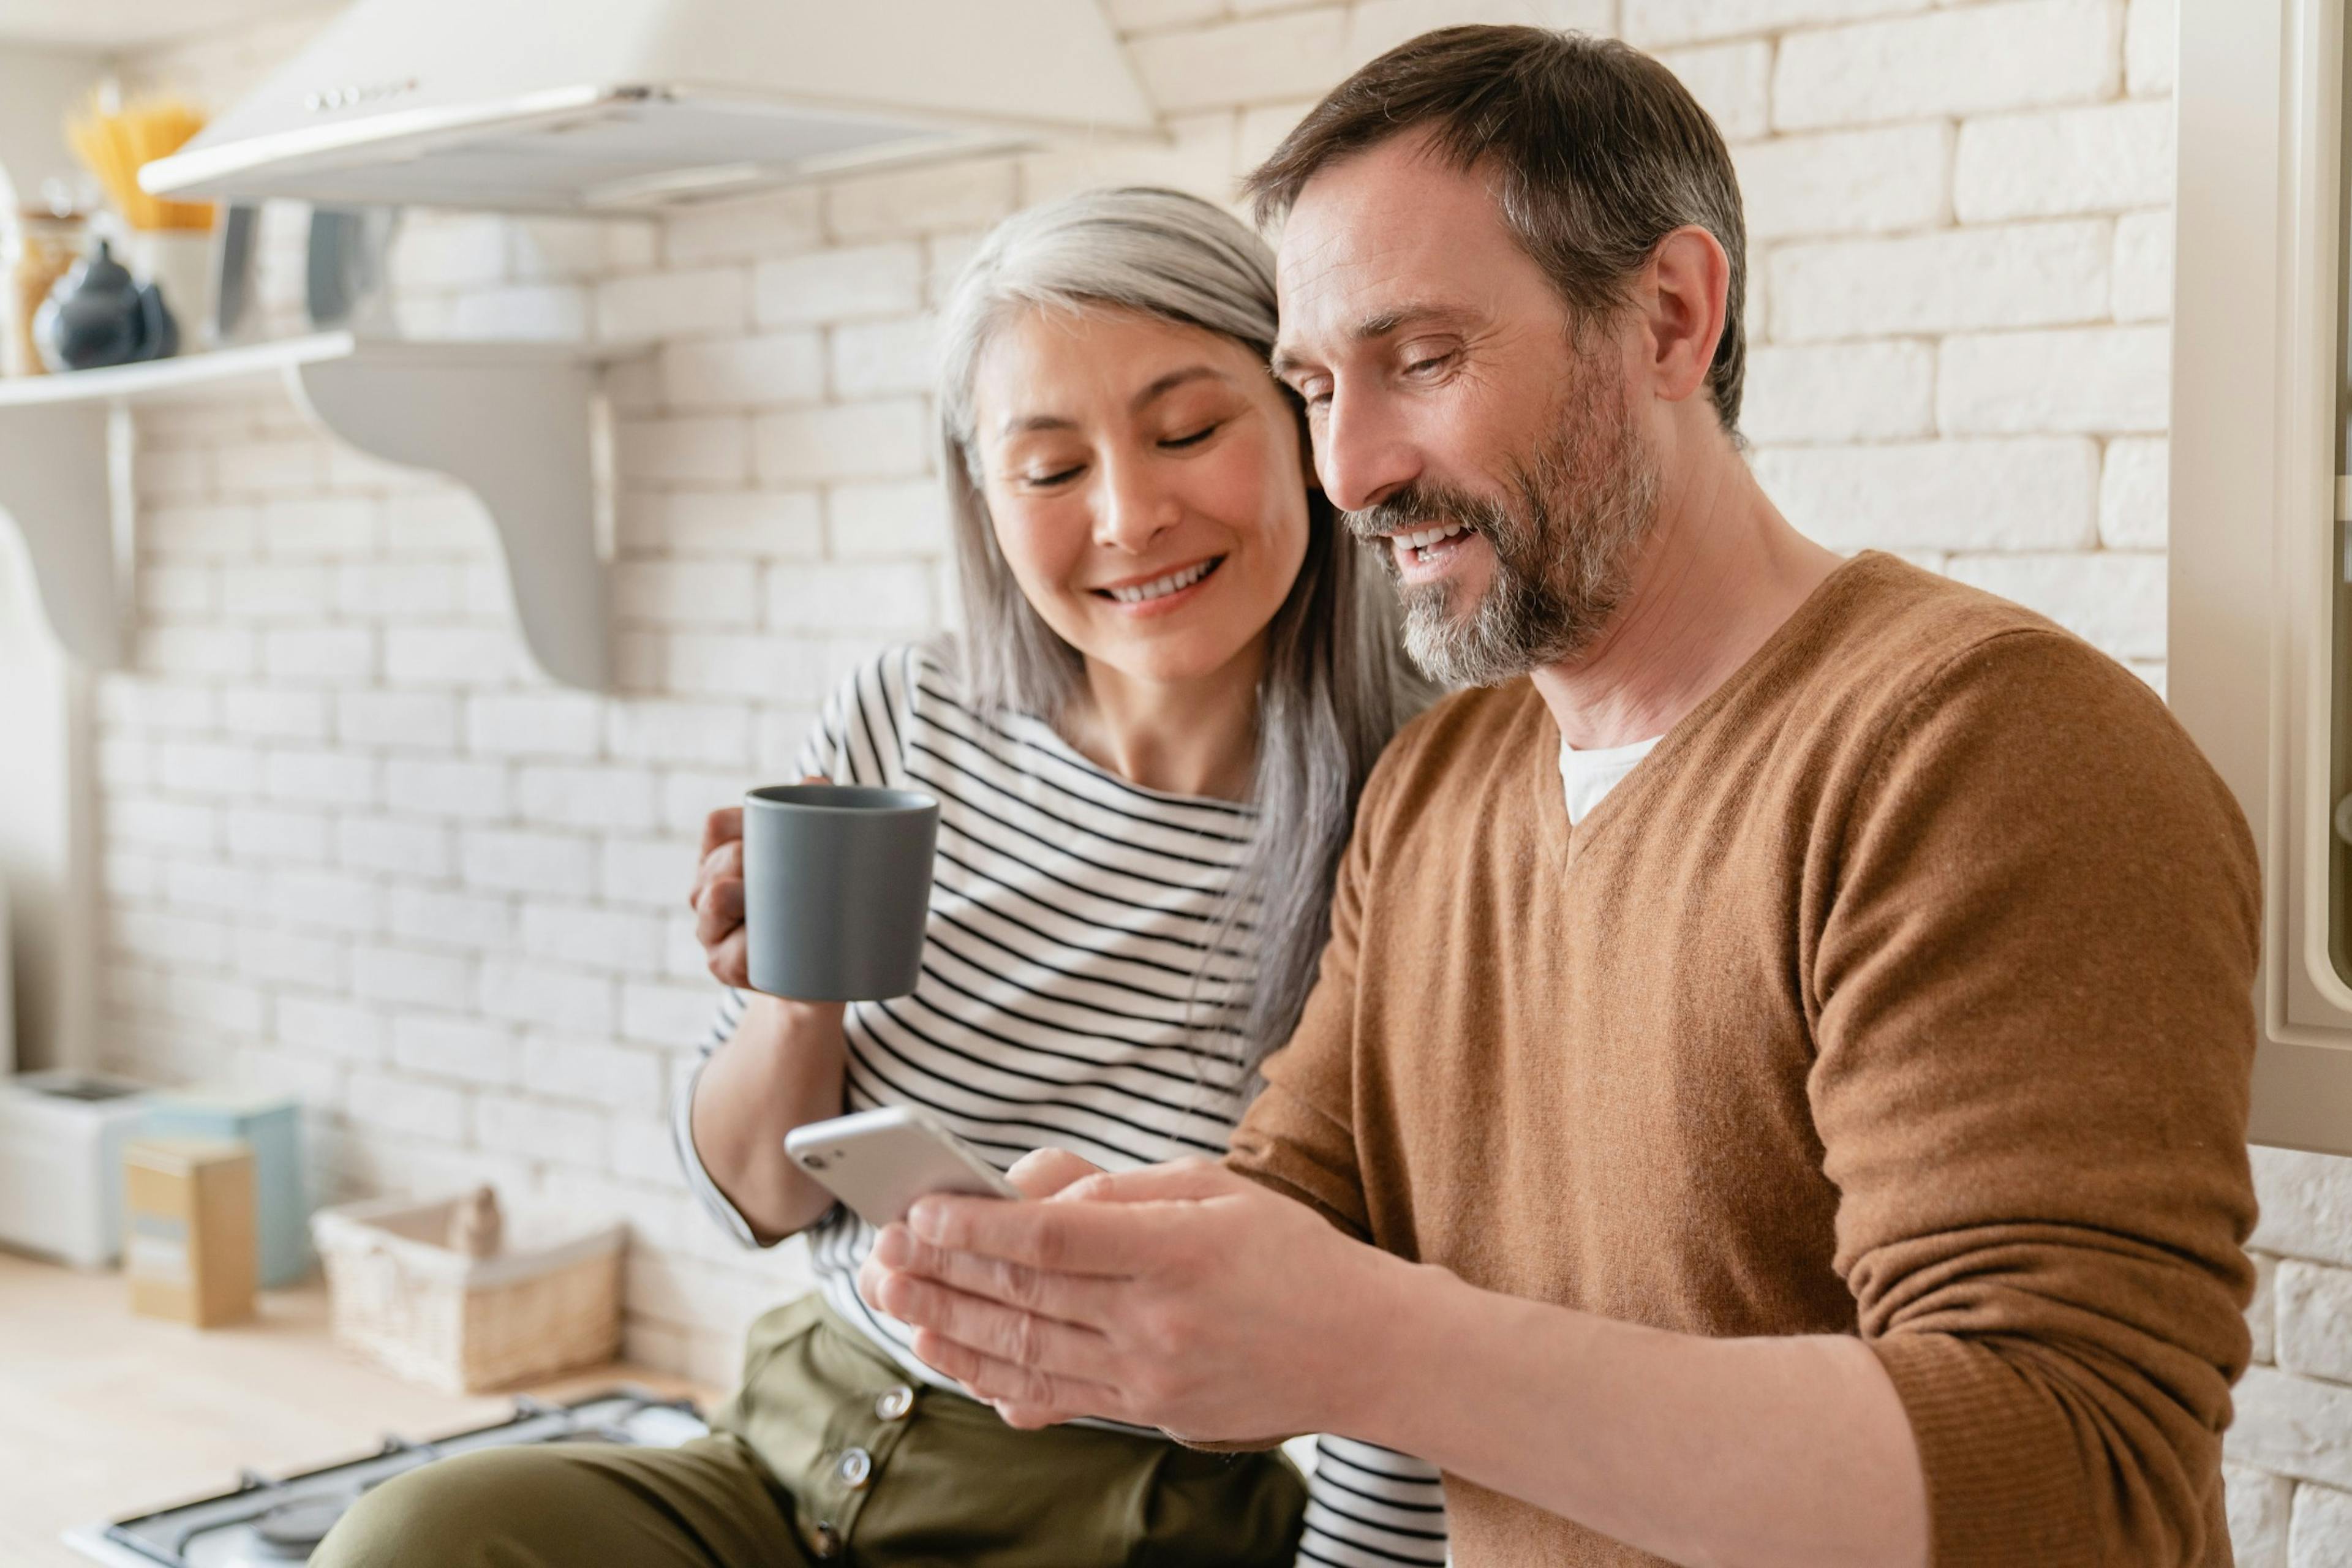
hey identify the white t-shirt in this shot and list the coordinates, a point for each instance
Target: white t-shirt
(1588, 777)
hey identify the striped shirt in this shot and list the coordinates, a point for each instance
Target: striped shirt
(1079, 989)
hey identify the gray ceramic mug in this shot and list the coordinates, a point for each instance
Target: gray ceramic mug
(836, 887)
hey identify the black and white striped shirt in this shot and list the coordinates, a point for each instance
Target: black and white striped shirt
(1079, 989)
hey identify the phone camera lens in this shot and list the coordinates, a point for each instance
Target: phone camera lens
(814, 1162)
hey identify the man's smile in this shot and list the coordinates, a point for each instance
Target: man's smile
(1427, 554)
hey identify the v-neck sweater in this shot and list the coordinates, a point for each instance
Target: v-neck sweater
(1904, 991)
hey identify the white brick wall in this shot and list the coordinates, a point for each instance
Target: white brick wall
(355, 846)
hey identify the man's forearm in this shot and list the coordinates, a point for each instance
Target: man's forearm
(1747, 1453)
(782, 1068)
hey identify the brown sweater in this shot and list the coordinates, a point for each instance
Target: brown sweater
(1904, 990)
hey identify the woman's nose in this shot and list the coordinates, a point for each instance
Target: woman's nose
(1133, 510)
(1361, 455)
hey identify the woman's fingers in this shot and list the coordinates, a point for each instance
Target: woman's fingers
(717, 913)
(723, 864)
(718, 896)
(721, 826)
(729, 964)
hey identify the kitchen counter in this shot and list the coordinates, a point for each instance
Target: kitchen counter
(103, 1414)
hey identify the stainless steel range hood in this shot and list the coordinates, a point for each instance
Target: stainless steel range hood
(590, 105)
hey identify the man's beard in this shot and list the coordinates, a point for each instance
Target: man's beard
(1565, 537)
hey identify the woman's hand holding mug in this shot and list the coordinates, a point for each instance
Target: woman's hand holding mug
(718, 896)
(816, 892)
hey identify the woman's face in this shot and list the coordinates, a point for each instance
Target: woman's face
(1147, 485)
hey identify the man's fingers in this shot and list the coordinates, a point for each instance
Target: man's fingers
(1042, 1173)
(720, 826)
(1030, 1417)
(1112, 1239)
(1178, 1181)
(1042, 1344)
(1022, 1396)
(1085, 1300)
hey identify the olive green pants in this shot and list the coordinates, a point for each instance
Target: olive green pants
(828, 1454)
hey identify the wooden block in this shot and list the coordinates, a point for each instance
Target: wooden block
(190, 1250)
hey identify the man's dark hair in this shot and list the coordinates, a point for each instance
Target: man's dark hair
(1597, 153)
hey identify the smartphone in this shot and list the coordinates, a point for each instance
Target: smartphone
(880, 1161)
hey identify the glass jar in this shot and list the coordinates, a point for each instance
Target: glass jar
(36, 248)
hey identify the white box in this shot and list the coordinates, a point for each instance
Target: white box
(61, 1138)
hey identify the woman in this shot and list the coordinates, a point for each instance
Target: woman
(1147, 748)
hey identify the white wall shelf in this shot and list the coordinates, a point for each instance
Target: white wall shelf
(511, 422)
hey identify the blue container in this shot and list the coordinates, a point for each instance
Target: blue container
(270, 1125)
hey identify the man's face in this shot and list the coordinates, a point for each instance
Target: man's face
(1459, 418)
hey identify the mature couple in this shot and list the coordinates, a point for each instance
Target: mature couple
(1759, 1080)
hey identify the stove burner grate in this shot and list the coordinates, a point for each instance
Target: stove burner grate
(266, 1523)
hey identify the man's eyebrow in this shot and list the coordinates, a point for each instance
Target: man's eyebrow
(1413, 313)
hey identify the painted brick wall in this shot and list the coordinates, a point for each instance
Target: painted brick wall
(355, 846)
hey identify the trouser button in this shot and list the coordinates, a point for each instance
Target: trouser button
(895, 1403)
(854, 1469)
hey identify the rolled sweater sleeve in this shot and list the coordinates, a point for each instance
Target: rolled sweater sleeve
(2030, 980)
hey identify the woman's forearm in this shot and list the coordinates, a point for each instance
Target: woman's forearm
(1745, 1453)
(782, 1068)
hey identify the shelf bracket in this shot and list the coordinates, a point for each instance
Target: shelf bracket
(55, 483)
(517, 435)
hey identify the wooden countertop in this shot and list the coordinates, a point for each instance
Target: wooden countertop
(104, 1415)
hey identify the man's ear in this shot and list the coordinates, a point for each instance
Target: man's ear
(1687, 293)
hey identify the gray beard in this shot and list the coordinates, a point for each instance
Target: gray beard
(1565, 542)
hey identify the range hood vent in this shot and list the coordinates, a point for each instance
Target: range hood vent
(606, 105)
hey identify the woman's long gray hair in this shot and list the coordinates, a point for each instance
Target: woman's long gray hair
(1336, 684)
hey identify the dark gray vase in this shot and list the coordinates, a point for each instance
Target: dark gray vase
(100, 315)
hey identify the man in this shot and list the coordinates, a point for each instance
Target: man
(1826, 1149)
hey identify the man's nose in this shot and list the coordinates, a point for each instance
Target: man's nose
(1132, 510)
(1361, 454)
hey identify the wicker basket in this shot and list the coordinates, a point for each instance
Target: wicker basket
(549, 1302)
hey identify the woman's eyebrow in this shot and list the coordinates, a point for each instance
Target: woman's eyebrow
(1172, 380)
(1022, 425)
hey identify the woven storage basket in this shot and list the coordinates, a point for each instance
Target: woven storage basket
(549, 1302)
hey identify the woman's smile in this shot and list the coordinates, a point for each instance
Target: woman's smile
(1160, 594)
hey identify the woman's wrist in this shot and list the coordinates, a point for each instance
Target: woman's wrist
(781, 1021)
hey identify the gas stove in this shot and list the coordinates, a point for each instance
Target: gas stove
(266, 1523)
